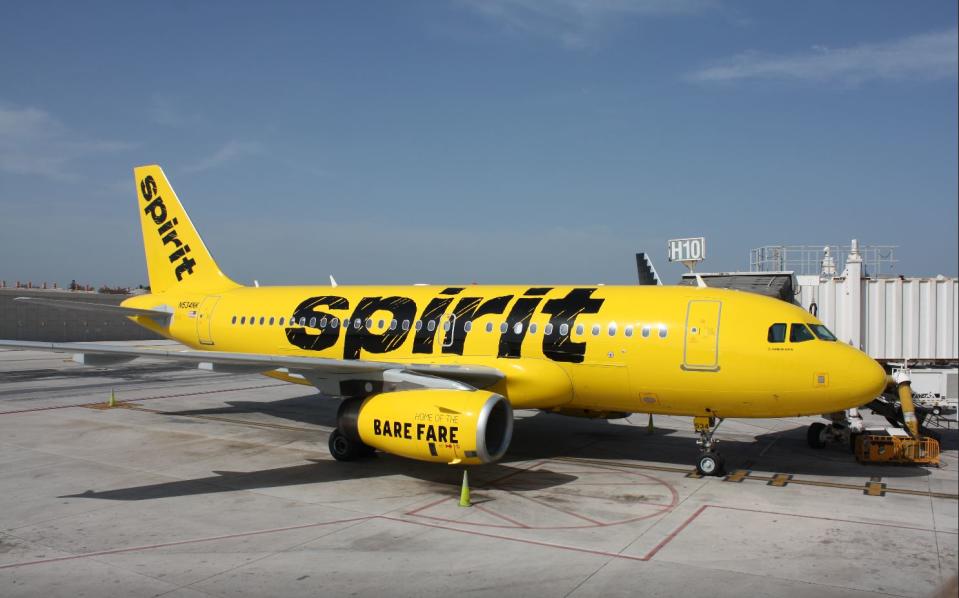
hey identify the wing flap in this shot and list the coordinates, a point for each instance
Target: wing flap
(310, 367)
(102, 308)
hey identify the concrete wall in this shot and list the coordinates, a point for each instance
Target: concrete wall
(23, 321)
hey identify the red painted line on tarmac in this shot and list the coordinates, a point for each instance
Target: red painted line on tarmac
(503, 517)
(183, 542)
(173, 396)
(672, 535)
(520, 540)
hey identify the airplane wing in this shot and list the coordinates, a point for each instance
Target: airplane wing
(318, 371)
(103, 308)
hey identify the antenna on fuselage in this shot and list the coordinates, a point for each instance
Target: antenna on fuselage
(333, 281)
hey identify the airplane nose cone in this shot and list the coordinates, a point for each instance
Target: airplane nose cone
(869, 377)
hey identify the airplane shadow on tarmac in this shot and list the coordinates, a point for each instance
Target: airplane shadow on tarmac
(540, 437)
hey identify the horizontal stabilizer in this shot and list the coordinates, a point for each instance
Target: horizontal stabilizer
(102, 308)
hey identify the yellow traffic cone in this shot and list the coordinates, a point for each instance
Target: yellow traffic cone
(649, 426)
(465, 492)
(113, 399)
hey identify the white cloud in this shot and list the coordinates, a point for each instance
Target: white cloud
(925, 56)
(576, 23)
(169, 112)
(33, 142)
(231, 150)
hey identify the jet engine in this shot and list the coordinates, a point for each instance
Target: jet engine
(439, 425)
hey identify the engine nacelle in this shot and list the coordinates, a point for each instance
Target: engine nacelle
(439, 425)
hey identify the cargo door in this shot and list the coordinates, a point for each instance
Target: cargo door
(204, 320)
(701, 347)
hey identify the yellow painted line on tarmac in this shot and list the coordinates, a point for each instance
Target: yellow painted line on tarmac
(874, 487)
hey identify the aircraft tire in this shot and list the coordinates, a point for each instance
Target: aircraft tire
(343, 448)
(814, 435)
(710, 464)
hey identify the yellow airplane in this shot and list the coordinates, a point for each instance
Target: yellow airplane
(434, 372)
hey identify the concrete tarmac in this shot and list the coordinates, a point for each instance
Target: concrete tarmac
(209, 484)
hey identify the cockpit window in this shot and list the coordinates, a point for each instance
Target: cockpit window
(798, 333)
(822, 332)
(777, 333)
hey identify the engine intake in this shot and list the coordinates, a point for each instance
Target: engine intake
(438, 425)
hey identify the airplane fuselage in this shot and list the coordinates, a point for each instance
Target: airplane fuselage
(585, 350)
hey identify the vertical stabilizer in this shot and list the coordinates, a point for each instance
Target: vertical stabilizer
(175, 253)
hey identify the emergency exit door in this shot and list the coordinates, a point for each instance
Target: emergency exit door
(701, 348)
(204, 320)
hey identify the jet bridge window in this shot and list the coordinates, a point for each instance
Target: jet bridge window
(777, 333)
(798, 333)
(822, 332)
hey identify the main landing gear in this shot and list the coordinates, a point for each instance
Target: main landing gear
(843, 428)
(710, 462)
(345, 443)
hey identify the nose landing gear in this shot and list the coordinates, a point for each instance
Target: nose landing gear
(710, 462)
(843, 428)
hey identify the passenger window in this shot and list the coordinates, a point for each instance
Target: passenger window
(628, 331)
(272, 319)
(323, 322)
(242, 320)
(503, 327)
(645, 331)
(252, 320)
(798, 333)
(369, 323)
(281, 321)
(431, 325)
(489, 327)
(822, 332)
(334, 322)
(262, 319)
(467, 326)
(406, 324)
(579, 329)
(419, 325)
(532, 328)
(518, 328)
(563, 329)
(612, 329)
(380, 324)
(662, 331)
(357, 323)
(548, 330)
(595, 329)
(393, 324)
(234, 320)
(446, 326)
(302, 321)
(776, 334)
(312, 322)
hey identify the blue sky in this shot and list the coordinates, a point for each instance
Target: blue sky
(496, 141)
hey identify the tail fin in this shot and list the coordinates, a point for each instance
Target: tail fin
(176, 256)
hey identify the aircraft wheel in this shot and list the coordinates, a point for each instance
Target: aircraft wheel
(816, 435)
(343, 448)
(710, 464)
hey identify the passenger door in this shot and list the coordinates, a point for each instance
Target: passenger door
(701, 345)
(204, 320)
